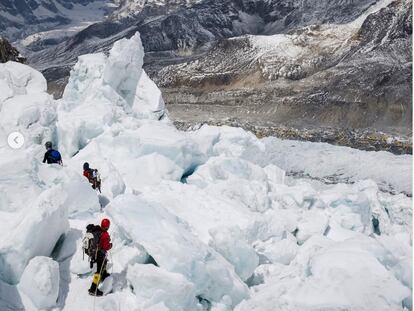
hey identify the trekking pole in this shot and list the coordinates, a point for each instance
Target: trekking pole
(112, 267)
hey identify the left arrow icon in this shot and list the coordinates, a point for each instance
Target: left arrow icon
(15, 140)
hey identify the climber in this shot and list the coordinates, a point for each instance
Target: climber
(101, 258)
(52, 156)
(93, 176)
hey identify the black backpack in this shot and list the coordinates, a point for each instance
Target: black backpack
(90, 242)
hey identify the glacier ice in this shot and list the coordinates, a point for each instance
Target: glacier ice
(201, 211)
(169, 241)
(236, 179)
(20, 79)
(231, 244)
(210, 219)
(278, 249)
(40, 282)
(35, 232)
(104, 90)
(25, 106)
(324, 161)
(323, 275)
(153, 285)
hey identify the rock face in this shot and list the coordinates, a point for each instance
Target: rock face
(207, 20)
(354, 75)
(8, 52)
(175, 30)
(297, 63)
(25, 17)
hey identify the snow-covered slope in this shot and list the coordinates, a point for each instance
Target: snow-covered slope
(131, 8)
(49, 21)
(201, 220)
(349, 75)
(178, 28)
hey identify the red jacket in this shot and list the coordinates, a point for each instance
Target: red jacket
(105, 241)
(87, 174)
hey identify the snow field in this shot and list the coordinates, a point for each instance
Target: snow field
(202, 220)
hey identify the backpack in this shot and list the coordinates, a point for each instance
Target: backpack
(55, 156)
(90, 242)
(95, 175)
(95, 179)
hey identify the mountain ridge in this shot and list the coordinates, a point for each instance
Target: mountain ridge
(330, 63)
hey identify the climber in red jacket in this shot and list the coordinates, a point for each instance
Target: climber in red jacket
(93, 176)
(101, 258)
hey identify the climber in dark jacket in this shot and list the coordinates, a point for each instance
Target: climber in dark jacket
(52, 156)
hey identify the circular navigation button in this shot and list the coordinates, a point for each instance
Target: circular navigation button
(15, 140)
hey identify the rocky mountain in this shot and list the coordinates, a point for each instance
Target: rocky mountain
(295, 63)
(354, 75)
(179, 28)
(9, 53)
(22, 18)
(176, 31)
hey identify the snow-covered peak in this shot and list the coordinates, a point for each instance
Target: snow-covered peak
(129, 8)
(21, 19)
